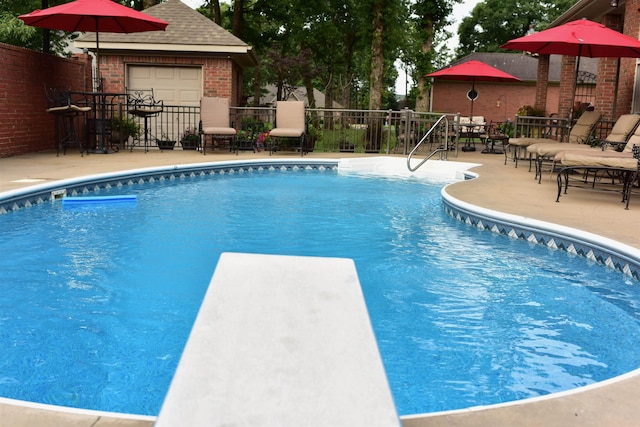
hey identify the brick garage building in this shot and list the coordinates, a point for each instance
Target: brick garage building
(193, 57)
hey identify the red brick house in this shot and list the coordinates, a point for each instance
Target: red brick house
(501, 101)
(193, 57)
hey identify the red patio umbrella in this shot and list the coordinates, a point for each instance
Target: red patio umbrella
(93, 16)
(471, 71)
(578, 38)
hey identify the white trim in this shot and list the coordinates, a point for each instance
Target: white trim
(163, 47)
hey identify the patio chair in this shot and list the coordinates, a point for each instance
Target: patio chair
(622, 149)
(59, 104)
(549, 129)
(493, 136)
(214, 122)
(579, 134)
(471, 128)
(621, 167)
(290, 125)
(620, 133)
(142, 103)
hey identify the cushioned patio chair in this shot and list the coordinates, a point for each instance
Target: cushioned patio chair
(621, 167)
(59, 103)
(580, 132)
(214, 122)
(290, 124)
(620, 133)
(615, 145)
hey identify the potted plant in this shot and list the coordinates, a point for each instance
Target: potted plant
(122, 128)
(313, 134)
(264, 141)
(165, 143)
(190, 139)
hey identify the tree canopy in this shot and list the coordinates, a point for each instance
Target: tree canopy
(348, 49)
(14, 31)
(494, 22)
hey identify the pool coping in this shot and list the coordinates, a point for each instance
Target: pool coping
(595, 248)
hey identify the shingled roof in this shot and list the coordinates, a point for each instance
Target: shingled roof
(525, 67)
(188, 31)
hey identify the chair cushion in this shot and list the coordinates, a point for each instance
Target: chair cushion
(525, 142)
(286, 132)
(145, 111)
(290, 115)
(583, 127)
(551, 149)
(214, 112)
(611, 160)
(628, 148)
(218, 131)
(68, 109)
(593, 151)
(623, 127)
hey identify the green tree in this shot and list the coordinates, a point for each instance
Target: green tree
(494, 22)
(431, 18)
(13, 31)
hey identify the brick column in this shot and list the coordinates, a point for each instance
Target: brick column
(542, 83)
(606, 90)
(628, 65)
(567, 79)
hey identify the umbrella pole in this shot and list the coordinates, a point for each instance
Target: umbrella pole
(98, 58)
(473, 89)
(575, 84)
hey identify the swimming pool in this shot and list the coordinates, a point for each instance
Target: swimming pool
(473, 251)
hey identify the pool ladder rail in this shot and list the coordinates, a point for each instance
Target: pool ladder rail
(425, 137)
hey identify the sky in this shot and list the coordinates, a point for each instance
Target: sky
(459, 11)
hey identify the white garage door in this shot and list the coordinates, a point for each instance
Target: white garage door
(173, 85)
(176, 87)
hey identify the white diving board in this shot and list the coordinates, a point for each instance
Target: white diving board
(281, 341)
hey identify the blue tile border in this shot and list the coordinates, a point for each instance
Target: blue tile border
(612, 254)
(13, 200)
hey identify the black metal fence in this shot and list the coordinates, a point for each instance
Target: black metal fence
(328, 130)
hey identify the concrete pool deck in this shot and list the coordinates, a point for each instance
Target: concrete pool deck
(499, 187)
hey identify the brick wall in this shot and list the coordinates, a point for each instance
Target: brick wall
(628, 65)
(25, 126)
(496, 101)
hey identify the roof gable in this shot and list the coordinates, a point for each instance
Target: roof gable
(187, 27)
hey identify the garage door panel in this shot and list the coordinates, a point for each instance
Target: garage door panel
(166, 95)
(172, 85)
(190, 74)
(140, 73)
(188, 97)
(166, 73)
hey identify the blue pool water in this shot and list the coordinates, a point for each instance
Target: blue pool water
(96, 302)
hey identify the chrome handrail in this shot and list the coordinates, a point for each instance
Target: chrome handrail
(437, 150)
